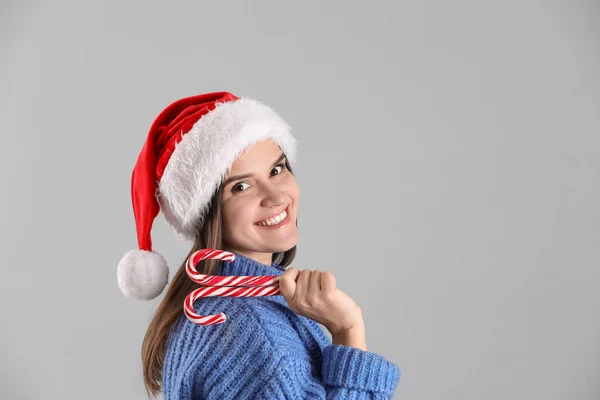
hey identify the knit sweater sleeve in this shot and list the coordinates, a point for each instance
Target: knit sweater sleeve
(348, 373)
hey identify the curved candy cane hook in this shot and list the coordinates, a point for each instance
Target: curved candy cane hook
(230, 286)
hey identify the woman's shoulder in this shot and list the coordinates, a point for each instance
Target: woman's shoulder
(247, 309)
(274, 317)
(270, 317)
(268, 322)
(196, 354)
(188, 342)
(243, 316)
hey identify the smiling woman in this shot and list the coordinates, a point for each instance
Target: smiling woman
(219, 168)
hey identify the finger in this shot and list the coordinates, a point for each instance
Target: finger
(291, 273)
(303, 283)
(315, 281)
(328, 282)
(287, 282)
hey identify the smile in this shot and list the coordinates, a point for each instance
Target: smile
(276, 221)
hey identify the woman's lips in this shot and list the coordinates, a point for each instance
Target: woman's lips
(280, 225)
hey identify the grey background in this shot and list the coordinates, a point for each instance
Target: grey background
(448, 167)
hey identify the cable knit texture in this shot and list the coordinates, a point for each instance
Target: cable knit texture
(266, 351)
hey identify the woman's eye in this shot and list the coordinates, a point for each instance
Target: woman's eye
(233, 189)
(282, 166)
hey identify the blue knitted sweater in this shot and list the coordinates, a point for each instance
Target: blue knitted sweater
(266, 351)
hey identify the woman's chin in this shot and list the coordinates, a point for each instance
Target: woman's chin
(284, 243)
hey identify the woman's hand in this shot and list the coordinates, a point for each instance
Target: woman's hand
(313, 294)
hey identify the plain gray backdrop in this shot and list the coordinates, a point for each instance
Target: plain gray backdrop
(449, 161)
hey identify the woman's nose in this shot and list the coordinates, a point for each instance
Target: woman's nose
(273, 195)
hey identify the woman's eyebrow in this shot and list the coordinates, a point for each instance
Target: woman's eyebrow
(235, 178)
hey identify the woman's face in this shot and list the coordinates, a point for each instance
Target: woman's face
(268, 190)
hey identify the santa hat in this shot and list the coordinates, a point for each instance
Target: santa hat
(189, 150)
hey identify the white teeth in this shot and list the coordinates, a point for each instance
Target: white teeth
(275, 220)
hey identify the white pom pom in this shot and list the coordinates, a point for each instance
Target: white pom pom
(142, 274)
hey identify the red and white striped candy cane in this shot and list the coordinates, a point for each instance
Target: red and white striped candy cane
(231, 286)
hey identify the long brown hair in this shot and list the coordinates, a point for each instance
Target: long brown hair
(171, 307)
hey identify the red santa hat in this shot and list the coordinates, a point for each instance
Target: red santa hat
(189, 150)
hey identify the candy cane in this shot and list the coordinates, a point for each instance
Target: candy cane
(230, 286)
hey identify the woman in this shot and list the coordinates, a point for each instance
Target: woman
(219, 168)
